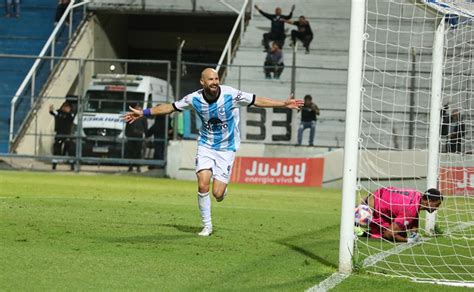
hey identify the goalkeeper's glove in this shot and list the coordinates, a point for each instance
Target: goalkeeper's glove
(413, 238)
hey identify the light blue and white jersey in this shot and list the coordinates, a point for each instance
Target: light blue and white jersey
(220, 119)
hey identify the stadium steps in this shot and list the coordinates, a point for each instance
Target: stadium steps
(25, 35)
(326, 81)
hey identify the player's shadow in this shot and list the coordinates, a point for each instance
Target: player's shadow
(184, 228)
(155, 238)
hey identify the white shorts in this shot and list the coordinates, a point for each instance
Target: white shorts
(219, 162)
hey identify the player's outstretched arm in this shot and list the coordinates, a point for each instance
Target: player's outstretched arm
(290, 103)
(135, 114)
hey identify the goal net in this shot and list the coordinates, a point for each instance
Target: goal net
(407, 91)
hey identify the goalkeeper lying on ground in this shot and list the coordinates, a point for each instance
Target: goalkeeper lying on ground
(396, 211)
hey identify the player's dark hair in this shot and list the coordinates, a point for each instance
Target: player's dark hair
(307, 96)
(433, 195)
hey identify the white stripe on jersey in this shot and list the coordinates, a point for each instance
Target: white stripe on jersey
(220, 119)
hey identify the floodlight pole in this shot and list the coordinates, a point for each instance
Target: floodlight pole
(435, 118)
(351, 147)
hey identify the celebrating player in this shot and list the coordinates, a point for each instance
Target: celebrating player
(396, 211)
(219, 137)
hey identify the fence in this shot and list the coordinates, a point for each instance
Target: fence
(99, 136)
(99, 92)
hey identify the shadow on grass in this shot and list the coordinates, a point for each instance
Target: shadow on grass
(157, 238)
(184, 228)
(309, 254)
(298, 242)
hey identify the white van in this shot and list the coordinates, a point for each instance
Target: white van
(107, 97)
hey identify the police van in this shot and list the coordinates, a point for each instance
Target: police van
(107, 98)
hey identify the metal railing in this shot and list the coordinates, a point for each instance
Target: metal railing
(228, 49)
(50, 46)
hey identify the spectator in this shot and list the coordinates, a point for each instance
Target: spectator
(309, 111)
(62, 6)
(134, 146)
(457, 131)
(277, 31)
(10, 6)
(63, 120)
(444, 127)
(274, 62)
(158, 131)
(303, 33)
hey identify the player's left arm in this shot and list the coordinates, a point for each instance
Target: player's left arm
(290, 103)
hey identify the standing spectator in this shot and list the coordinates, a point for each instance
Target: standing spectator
(457, 131)
(10, 6)
(134, 146)
(63, 119)
(303, 33)
(309, 111)
(62, 5)
(277, 31)
(444, 127)
(158, 131)
(274, 62)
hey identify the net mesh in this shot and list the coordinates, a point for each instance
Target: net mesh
(394, 134)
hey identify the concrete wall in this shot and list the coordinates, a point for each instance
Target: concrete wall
(181, 155)
(207, 7)
(398, 168)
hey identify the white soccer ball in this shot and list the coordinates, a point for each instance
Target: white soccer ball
(363, 215)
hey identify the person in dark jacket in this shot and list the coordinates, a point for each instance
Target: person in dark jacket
(158, 131)
(135, 133)
(303, 32)
(277, 31)
(63, 120)
(309, 111)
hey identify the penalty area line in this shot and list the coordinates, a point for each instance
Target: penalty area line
(329, 283)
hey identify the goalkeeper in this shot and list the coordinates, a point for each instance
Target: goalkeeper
(396, 211)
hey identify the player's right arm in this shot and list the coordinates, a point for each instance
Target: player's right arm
(394, 233)
(135, 114)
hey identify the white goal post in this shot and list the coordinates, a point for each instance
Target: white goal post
(410, 124)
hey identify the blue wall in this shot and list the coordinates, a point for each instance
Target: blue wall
(25, 35)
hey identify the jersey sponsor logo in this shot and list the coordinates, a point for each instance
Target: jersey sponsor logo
(215, 124)
(221, 111)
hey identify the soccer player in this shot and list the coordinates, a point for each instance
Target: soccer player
(396, 211)
(219, 137)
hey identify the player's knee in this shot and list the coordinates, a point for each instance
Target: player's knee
(203, 187)
(219, 195)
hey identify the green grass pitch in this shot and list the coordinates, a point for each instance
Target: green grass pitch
(108, 232)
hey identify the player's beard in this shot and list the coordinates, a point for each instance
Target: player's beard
(212, 91)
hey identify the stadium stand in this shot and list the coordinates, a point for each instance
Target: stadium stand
(23, 36)
(27, 36)
(325, 81)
